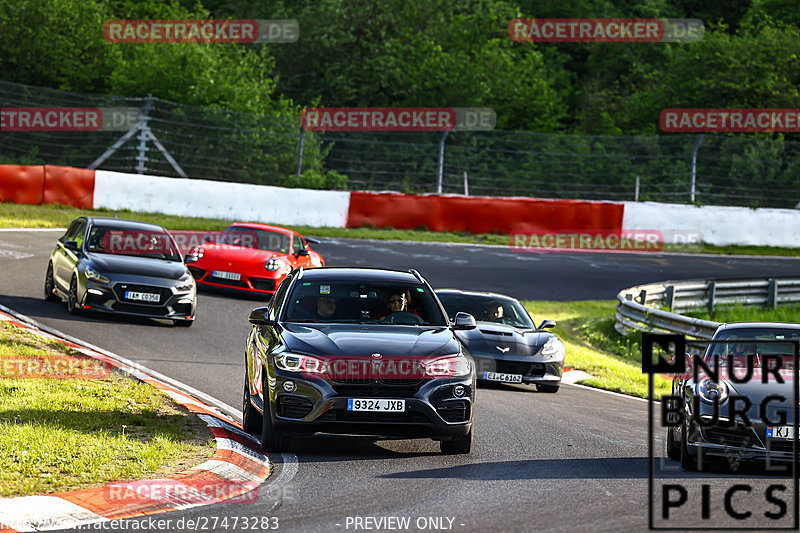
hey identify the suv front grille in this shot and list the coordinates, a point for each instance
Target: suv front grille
(374, 390)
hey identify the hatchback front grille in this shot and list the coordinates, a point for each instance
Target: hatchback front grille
(120, 289)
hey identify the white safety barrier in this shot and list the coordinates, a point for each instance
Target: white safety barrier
(717, 225)
(219, 199)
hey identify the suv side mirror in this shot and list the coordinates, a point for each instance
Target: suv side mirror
(464, 321)
(258, 317)
(72, 246)
(547, 324)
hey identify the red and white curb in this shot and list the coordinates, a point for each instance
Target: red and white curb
(237, 467)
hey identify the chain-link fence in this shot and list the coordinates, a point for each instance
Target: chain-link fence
(203, 142)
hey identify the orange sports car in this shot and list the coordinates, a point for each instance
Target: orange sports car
(251, 257)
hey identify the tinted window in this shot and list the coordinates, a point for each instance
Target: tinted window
(258, 239)
(356, 301)
(154, 243)
(487, 309)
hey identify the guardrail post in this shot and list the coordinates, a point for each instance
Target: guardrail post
(643, 297)
(712, 290)
(670, 297)
(772, 297)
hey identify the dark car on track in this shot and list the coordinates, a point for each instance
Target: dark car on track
(761, 352)
(328, 355)
(507, 346)
(123, 267)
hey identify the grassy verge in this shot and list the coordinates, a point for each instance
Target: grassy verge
(740, 313)
(65, 434)
(55, 216)
(594, 346)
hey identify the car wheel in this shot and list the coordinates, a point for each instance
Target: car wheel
(272, 439)
(50, 285)
(688, 461)
(72, 296)
(673, 448)
(460, 445)
(547, 388)
(251, 418)
(183, 323)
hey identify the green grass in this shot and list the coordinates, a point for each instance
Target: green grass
(57, 216)
(65, 434)
(740, 313)
(594, 346)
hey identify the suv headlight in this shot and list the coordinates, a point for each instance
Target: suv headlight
(95, 276)
(553, 346)
(292, 362)
(711, 391)
(450, 366)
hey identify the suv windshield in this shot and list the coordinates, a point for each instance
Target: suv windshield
(354, 301)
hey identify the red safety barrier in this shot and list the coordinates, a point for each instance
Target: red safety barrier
(480, 214)
(69, 186)
(21, 184)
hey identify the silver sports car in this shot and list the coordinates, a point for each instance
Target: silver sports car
(121, 266)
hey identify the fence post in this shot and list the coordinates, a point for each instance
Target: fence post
(466, 184)
(694, 164)
(772, 297)
(300, 151)
(712, 290)
(636, 190)
(141, 157)
(670, 297)
(441, 162)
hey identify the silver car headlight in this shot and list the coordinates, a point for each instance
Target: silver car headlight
(553, 346)
(95, 275)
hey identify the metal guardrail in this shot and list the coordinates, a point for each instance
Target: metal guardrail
(644, 307)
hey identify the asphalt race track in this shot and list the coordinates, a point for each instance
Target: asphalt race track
(576, 460)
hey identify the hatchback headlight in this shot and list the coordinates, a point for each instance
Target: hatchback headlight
(292, 362)
(451, 366)
(186, 283)
(711, 391)
(553, 346)
(95, 276)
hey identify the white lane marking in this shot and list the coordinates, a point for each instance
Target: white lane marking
(32, 229)
(607, 392)
(11, 254)
(37, 513)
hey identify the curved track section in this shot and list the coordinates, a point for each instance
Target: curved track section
(573, 460)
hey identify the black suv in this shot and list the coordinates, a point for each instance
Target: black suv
(361, 352)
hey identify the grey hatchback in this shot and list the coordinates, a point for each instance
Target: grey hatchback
(121, 266)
